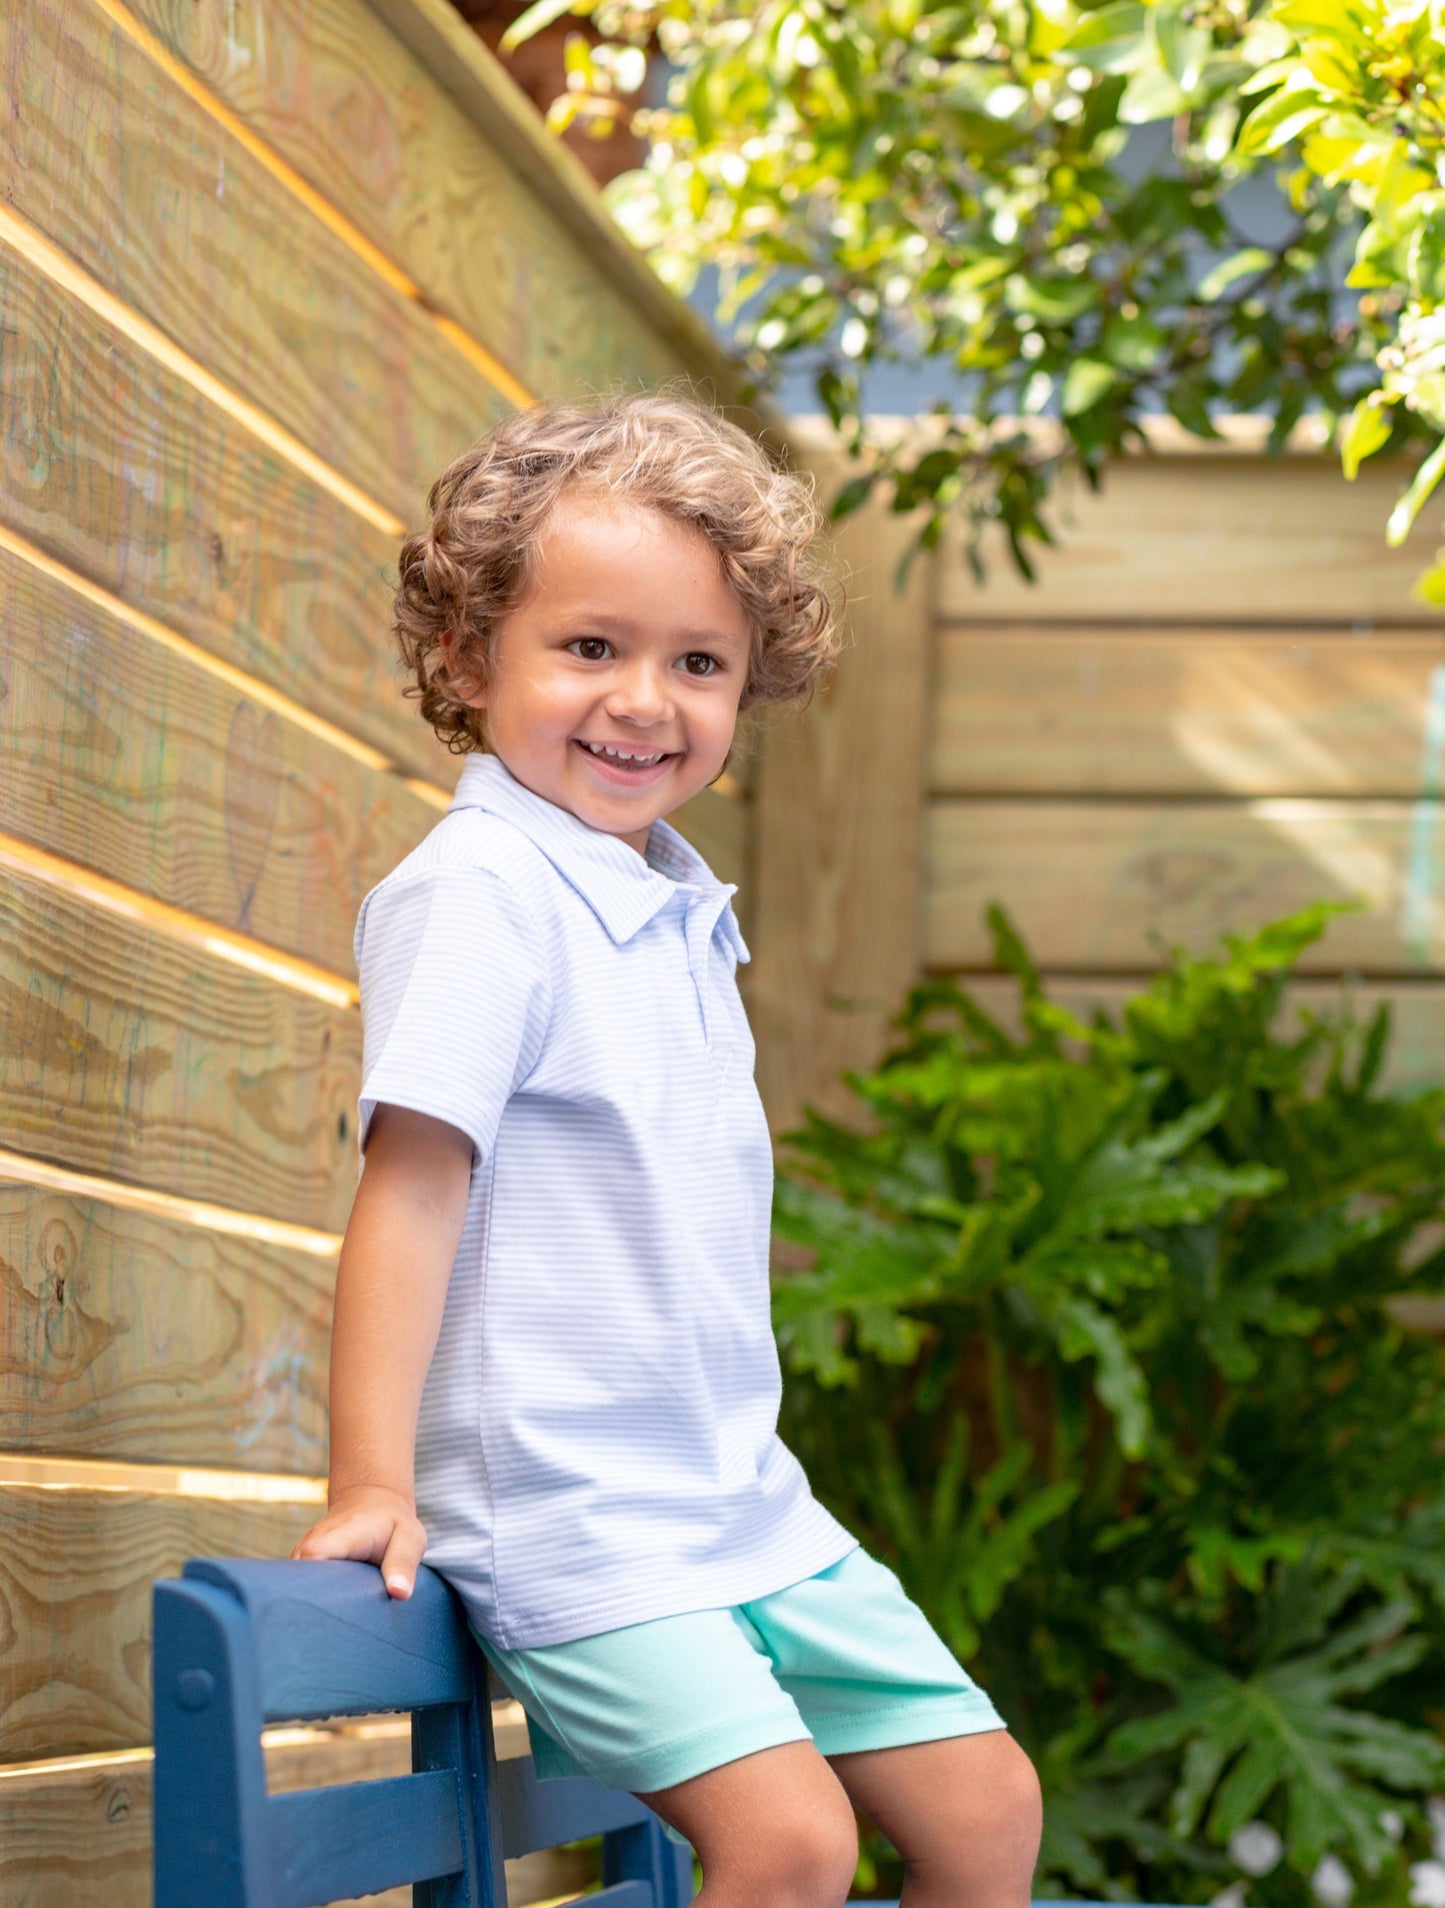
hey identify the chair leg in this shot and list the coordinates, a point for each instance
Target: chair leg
(452, 1738)
(644, 1853)
(210, 1782)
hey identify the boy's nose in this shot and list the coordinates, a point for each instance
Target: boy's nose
(640, 694)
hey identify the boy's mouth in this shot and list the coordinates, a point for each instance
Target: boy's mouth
(618, 764)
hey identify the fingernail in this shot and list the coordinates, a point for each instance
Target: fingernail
(400, 1584)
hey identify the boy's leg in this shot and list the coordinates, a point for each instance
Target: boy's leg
(964, 1814)
(774, 1829)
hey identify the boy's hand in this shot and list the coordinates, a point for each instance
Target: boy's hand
(373, 1525)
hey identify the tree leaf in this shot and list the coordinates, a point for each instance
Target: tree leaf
(1366, 432)
(540, 14)
(1416, 496)
(1086, 381)
(853, 495)
(1281, 1728)
(1087, 1331)
(1253, 258)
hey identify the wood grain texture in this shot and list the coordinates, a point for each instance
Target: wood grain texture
(462, 63)
(108, 156)
(836, 810)
(1194, 712)
(123, 1336)
(81, 1838)
(345, 103)
(1230, 539)
(1415, 1057)
(76, 1569)
(78, 1839)
(120, 755)
(119, 469)
(123, 1054)
(1086, 882)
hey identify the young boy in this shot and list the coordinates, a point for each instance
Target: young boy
(553, 1370)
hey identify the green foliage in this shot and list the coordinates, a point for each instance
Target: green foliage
(1360, 89)
(885, 178)
(1093, 1345)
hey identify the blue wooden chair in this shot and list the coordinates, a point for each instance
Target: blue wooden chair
(239, 1645)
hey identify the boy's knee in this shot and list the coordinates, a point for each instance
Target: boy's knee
(775, 1827)
(981, 1843)
(1011, 1796)
(977, 1845)
(806, 1862)
(791, 1857)
(1008, 1825)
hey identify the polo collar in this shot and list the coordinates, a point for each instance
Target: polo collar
(623, 889)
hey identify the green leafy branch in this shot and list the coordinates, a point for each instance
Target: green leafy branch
(889, 179)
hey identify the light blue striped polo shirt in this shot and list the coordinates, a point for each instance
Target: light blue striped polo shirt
(597, 1443)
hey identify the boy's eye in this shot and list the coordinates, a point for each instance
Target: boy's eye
(709, 663)
(590, 648)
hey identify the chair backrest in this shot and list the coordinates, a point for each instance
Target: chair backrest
(239, 1645)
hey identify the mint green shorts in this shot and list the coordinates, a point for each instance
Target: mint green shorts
(844, 1658)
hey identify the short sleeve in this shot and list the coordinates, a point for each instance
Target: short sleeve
(454, 999)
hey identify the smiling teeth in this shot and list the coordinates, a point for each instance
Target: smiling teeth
(621, 755)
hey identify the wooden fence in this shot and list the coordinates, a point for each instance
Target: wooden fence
(265, 265)
(1218, 703)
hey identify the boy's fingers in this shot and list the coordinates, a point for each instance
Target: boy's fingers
(403, 1556)
(395, 1543)
(361, 1539)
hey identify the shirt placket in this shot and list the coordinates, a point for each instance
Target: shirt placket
(704, 906)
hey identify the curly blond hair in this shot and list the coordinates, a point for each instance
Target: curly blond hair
(475, 560)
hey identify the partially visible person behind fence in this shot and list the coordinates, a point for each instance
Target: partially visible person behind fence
(553, 1369)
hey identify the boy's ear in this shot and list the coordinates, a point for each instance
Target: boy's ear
(472, 692)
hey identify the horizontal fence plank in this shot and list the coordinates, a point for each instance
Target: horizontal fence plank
(1414, 1059)
(1086, 882)
(110, 158)
(131, 1337)
(78, 1838)
(125, 1055)
(81, 1837)
(76, 1569)
(121, 756)
(1191, 540)
(1101, 712)
(324, 78)
(118, 468)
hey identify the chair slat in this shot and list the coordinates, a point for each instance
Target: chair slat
(363, 1837)
(540, 1814)
(243, 1642)
(331, 1642)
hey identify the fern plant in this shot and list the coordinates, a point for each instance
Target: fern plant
(1095, 1348)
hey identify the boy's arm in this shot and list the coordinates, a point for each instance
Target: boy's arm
(391, 1287)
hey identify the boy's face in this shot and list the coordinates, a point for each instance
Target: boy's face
(631, 640)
